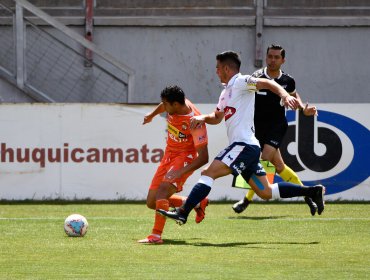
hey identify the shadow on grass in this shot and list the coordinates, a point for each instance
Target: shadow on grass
(257, 218)
(251, 244)
(235, 244)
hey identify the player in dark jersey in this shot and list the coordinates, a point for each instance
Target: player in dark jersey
(270, 121)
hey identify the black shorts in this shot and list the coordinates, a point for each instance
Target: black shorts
(270, 133)
(243, 159)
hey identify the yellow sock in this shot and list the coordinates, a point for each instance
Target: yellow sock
(250, 195)
(288, 175)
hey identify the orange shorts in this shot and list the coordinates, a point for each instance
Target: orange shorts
(172, 161)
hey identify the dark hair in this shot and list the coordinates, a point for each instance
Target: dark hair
(276, 47)
(173, 94)
(229, 58)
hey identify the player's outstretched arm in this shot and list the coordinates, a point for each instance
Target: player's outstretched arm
(306, 109)
(310, 110)
(213, 118)
(158, 110)
(198, 162)
(287, 99)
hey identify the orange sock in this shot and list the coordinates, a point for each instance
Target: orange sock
(159, 220)
(176, 200)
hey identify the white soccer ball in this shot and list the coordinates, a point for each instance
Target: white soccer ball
(75, 225)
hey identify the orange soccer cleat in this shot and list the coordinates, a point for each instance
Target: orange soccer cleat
(201, 210)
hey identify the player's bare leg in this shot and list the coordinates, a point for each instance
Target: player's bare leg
(285, 172)
(266, 191)
(199, 192)
(162, 195)
(259, 184)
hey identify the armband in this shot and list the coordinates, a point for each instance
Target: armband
(252, 87)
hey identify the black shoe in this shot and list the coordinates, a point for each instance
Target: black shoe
(318, 198)
(241, 205)
(175, 215)
(311, 204)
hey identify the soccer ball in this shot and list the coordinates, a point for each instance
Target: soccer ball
(75, 225)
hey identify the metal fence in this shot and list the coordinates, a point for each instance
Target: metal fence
(50, 59)
(7, 49)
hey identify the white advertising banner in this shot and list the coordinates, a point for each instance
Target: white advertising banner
(103, 152)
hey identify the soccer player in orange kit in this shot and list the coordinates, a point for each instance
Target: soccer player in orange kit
(186, 151)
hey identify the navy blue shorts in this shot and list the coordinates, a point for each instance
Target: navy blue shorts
(243, 159)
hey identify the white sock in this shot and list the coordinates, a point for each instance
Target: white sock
(275, 191)
(206, 180)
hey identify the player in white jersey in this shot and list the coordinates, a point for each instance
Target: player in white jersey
(271, 123)
(236, 106)
(235, 98)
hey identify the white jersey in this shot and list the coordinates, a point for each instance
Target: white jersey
(237, 103)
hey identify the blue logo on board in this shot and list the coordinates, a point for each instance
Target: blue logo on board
(335, 148)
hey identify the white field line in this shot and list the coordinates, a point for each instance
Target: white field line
(56, 218)
(136, 218)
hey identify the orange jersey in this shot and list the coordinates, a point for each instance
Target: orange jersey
(172, 161)
(179, 135)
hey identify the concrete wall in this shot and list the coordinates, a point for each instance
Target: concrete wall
(330, 64)
(326, 43)
(172, 55)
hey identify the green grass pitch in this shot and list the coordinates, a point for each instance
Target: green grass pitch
(268, 241)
